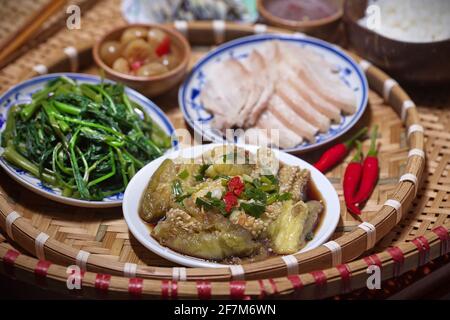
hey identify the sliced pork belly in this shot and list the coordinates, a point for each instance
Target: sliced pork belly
(287, 73)
(286, 137)
(280, 109)
(262, 89)
(217, 104)
(333, 90)
(229, 88)
(302, 107)
(318, 74)
(315, 100)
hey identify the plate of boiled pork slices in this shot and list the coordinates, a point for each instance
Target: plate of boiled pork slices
(291, 92)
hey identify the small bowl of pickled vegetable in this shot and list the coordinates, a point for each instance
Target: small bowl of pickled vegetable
(149, 58)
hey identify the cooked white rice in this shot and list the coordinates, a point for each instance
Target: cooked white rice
(409, 20)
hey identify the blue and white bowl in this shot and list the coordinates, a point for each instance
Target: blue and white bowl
(349, 72)
(21, 94)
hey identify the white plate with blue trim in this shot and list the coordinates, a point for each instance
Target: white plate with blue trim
(21, 94)
(348, 70)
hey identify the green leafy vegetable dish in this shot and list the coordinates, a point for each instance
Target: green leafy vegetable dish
(232, 206)
(86, 139)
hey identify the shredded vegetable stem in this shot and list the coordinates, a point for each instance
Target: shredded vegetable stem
(86, 139)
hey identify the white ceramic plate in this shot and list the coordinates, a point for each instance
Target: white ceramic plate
(22, 92)
(140, 231)
(349, 73)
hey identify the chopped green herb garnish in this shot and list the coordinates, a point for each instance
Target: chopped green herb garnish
(268, 188)
(284, 196)
(255, 194)
(210, 203)
(221, 176)
(272, 178)
(257, 183)
(183, 175)
(279, 197)
(177, 188)
(201, 172)
(182, 197)
(253, 209)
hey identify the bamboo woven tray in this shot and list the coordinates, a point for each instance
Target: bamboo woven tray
(104, 234)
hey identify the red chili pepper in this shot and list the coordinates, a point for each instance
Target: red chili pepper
(164, 47)
(337, 153)
(236, 186)
(352, 179)
(370, 171)
(230, 200)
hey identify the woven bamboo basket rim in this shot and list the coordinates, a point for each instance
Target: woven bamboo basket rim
(317, 284)
(347, 247)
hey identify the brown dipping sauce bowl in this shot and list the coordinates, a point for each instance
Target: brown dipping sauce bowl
(154, 85)
(325, 28)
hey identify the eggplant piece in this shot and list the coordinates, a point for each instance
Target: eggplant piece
(300, 185)
(289, 231)
(315, 209)
(158, 198)
(286, 176)
(207, 236)
(294, 180)
(228, 160)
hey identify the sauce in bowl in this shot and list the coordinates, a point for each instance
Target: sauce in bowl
(301, 10)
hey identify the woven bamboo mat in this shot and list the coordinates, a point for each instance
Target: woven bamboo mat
(104, 232)
(16, 14)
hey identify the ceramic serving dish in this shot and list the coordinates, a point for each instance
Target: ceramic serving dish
(154, 85)
(22, 92)
(140, 230)
(348, 70)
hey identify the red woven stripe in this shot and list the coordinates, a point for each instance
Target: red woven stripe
(274, 286)
(262, 289)
(135, 286)
(102, 281)
(321, 282)
(165, 289)
(237, 289)
(396, 254)
(174, 290)
(41, 268)
(346, 274)
(319, 277)
(296, 281)
(373, 260)
(424, 247)
(442, 233)
(204, 290)
(399, 259)
(10, 257)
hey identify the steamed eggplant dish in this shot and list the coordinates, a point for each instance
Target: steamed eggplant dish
(231, 206)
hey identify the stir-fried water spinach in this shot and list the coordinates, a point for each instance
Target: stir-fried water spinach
(87, 139)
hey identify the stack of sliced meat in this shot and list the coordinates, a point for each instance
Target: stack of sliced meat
(279, 86)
